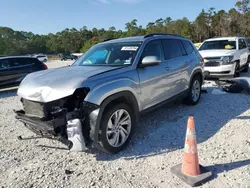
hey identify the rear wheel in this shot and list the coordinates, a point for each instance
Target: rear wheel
(116, 128)
(194, 92)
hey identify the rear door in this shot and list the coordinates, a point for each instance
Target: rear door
(177, 64)
(243, 52)
(20, 67)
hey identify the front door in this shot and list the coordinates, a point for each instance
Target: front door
(153, 79)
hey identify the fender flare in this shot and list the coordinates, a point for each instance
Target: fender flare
(96, 116)
(197, 71)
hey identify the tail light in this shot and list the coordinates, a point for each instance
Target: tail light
(45, 66)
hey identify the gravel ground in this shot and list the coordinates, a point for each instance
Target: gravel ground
(223, 136)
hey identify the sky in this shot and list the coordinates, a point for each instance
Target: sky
(51, 16)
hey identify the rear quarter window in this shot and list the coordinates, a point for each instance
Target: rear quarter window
(188, 47)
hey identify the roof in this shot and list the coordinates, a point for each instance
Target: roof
(224, 38)
(127, 39)
(143, 38)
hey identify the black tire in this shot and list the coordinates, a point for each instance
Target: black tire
(103, 128)
(247, 65)
(237, 70)
(189, 99)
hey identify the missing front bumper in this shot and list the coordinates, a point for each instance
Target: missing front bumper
(55, 129)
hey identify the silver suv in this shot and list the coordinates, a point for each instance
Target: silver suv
(109, 87)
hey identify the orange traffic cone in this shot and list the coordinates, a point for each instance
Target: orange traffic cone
(190, 171)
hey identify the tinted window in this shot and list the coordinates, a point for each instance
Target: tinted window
(242, 44)
(4, 63)
(172, 48)
(153, 48)
(188, 47)
(16, 62)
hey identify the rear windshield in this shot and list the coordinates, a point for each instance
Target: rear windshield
(218, 45)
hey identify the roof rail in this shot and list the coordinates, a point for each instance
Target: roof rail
(107, 39)
(167, 34)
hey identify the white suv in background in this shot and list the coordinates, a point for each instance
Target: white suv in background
(225, 56)
(41, 57)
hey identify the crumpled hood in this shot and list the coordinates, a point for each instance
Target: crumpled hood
(53, 84)
(216, 53)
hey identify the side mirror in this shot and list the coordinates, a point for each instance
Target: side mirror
(150, 61)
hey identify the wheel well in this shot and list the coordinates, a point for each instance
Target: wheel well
(199, 74)
(122, 97)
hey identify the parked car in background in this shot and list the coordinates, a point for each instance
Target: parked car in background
(14, 69)
(197, 45)
(41, 57)
(248, 43)
(225, 56)
(64, 57)
(107, 89)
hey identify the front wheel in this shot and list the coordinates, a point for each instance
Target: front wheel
(247, 65)
(237, 70)
(194, 92)
(116, 128)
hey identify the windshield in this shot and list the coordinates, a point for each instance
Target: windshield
(110, 54)
(218, 45)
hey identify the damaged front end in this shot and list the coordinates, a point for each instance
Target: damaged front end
(59, 119)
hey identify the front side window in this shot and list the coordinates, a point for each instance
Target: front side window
(110, 54)
(242, 44)
(172, 48)
(218, 45)
(153, 48)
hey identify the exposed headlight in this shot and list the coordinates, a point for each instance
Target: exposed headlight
(227, 60)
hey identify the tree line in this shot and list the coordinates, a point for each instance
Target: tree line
(209, 23)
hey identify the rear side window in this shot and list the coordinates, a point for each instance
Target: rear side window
(16, 62)
(172, 48)
(188, 47)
